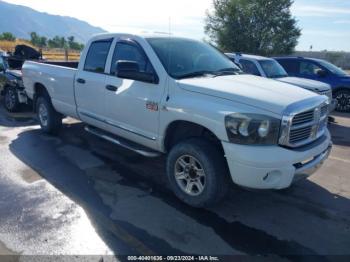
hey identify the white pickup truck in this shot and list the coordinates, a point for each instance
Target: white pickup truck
(166, 95)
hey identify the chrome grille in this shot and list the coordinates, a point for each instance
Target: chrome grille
(304, 122)
(301, 134)
(303, 118)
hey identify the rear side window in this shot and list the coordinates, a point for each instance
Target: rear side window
(249, 67)
(291, 66)
(97, 56)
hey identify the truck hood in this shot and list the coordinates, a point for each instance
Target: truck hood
(308, 84)
(254, 91)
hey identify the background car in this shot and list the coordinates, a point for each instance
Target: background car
(323, 71)
(270, 68)
(11, 86)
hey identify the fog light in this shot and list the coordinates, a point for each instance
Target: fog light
(272, 177)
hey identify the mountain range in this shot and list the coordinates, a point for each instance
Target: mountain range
(21, 21)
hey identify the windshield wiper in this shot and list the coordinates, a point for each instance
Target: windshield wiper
(227, 71)
(278, 76)
(196, 74)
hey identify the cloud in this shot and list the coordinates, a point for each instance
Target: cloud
(342, 22)
(326, 33)
(318, 11)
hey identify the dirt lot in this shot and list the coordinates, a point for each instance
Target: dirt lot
(75, 194)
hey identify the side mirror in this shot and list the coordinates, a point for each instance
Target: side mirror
(131, 70)
(321, 73)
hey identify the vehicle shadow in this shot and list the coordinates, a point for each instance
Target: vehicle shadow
(128, 201)
(20, 119)
(340, 134)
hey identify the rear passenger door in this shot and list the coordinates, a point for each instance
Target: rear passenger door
(90, 83)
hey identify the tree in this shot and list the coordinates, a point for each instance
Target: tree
(253, 26)
(57, 42)
(7, 36)
(42, 41)
(74, 45)
(36, 40)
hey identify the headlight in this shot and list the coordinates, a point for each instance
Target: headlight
(248, 129)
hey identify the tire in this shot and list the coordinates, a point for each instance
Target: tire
(50, 121)
(209, 160)
(11, 101)
(343, 99)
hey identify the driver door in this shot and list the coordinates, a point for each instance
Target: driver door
(132, 106)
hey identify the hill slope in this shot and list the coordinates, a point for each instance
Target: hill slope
(21, 20)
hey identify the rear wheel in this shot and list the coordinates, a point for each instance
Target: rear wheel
(50, 120)
(11, 99)
(343, 99)
(197, 173)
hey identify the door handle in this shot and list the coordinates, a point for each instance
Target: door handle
(81, 81)
(111, 88)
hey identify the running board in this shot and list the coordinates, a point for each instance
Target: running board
(122, 142)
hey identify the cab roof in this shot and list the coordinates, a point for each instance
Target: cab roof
(248, 56)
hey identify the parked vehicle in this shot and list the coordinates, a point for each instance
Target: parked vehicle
(181, 97)
(323, 71)
(11, 86)
(270, 68)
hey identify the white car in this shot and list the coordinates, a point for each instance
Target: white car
(270, 68)
(180, 97)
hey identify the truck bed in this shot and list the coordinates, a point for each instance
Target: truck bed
(17, 63)
(57, 77)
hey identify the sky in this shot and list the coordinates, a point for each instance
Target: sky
(325, 23)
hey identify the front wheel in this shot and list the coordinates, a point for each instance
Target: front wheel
(197, 173)
(11, 100)
(50, 121)
(343, 99)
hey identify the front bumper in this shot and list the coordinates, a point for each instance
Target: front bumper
(274, 167)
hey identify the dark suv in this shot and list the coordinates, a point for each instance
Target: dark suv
(323, 71)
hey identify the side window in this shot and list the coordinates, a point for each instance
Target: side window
(97, 56)
(290, 66)
(130, 52)
(309, 68)
(249, 67)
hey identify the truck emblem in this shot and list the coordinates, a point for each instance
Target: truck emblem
(152, 106)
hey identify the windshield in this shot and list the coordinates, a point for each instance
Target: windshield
(335, 70)
(273, 69)
(184, 58)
